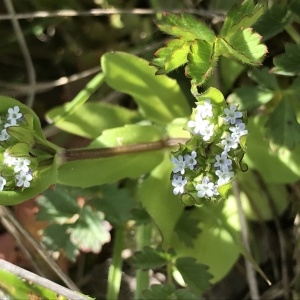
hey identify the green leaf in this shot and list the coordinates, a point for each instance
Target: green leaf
(273, 21)
(186, 27)
(250, 97)
(91, 172)
(90, 231)
(80, 99)
(201, 61)
(194, 274)
(155, 194)
(217, 222)
(92, 118)
(282, 128)
(244, 45)
(20, 288)
(264, 78)
(185, 294)
(280, 166)
(151, 258)
(288, 63)
(172, 56)
(159, 98)
(242, 16)
(187, 228)
(115, 203)
(57, 206)
(158, 292)
(57, 237)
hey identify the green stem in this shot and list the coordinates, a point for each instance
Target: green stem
(143, 238)
(293, 33)
(115, 269)
(79, 154)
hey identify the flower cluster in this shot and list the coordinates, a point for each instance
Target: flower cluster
(14, 171)
(211, 158)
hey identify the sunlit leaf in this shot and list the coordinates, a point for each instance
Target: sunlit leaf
(201, 62)
(159, 98)
(92, 118)
(91, 231)
(186, 27)
(242, 16)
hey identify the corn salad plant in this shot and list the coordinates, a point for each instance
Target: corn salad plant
(147, 165)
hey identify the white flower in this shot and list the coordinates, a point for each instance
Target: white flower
(204, 110)
(222, 161)
(14, 114)
(4, 135)
(21, 165)
(224, 176)
(179, 183)
(198, 124)
(23, 179)
(206, 188)
(2, 183)
(229, 142)
(9, 160)
(238, 130)
(190, 160)
(179, 164)
(207, 130)
(231, 114)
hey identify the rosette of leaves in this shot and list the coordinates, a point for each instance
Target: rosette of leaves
(22, 140)
(197, 47)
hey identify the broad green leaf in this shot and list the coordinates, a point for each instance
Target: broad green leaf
(186, 27)
(185, 294)
(244, 45)
(201, 61)
(57, 206)
(19, 288)
(282, 127)
(256, 196)
(273, 21)
(159, 98)
(187, 228)
(151, 258)
(172, 56)
(264, 78)
(115, 203)
(155, 194)
(280, 166)
(175, 129)
(91, 172)
(79, 100)
(194, 274)
(288, 63)
(214, 245)
(242, 16)
(90, 231)
(56, 237)
(250, 97)
(295, 8)
(92, 118)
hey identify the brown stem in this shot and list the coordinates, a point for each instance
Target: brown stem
(80, 154)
